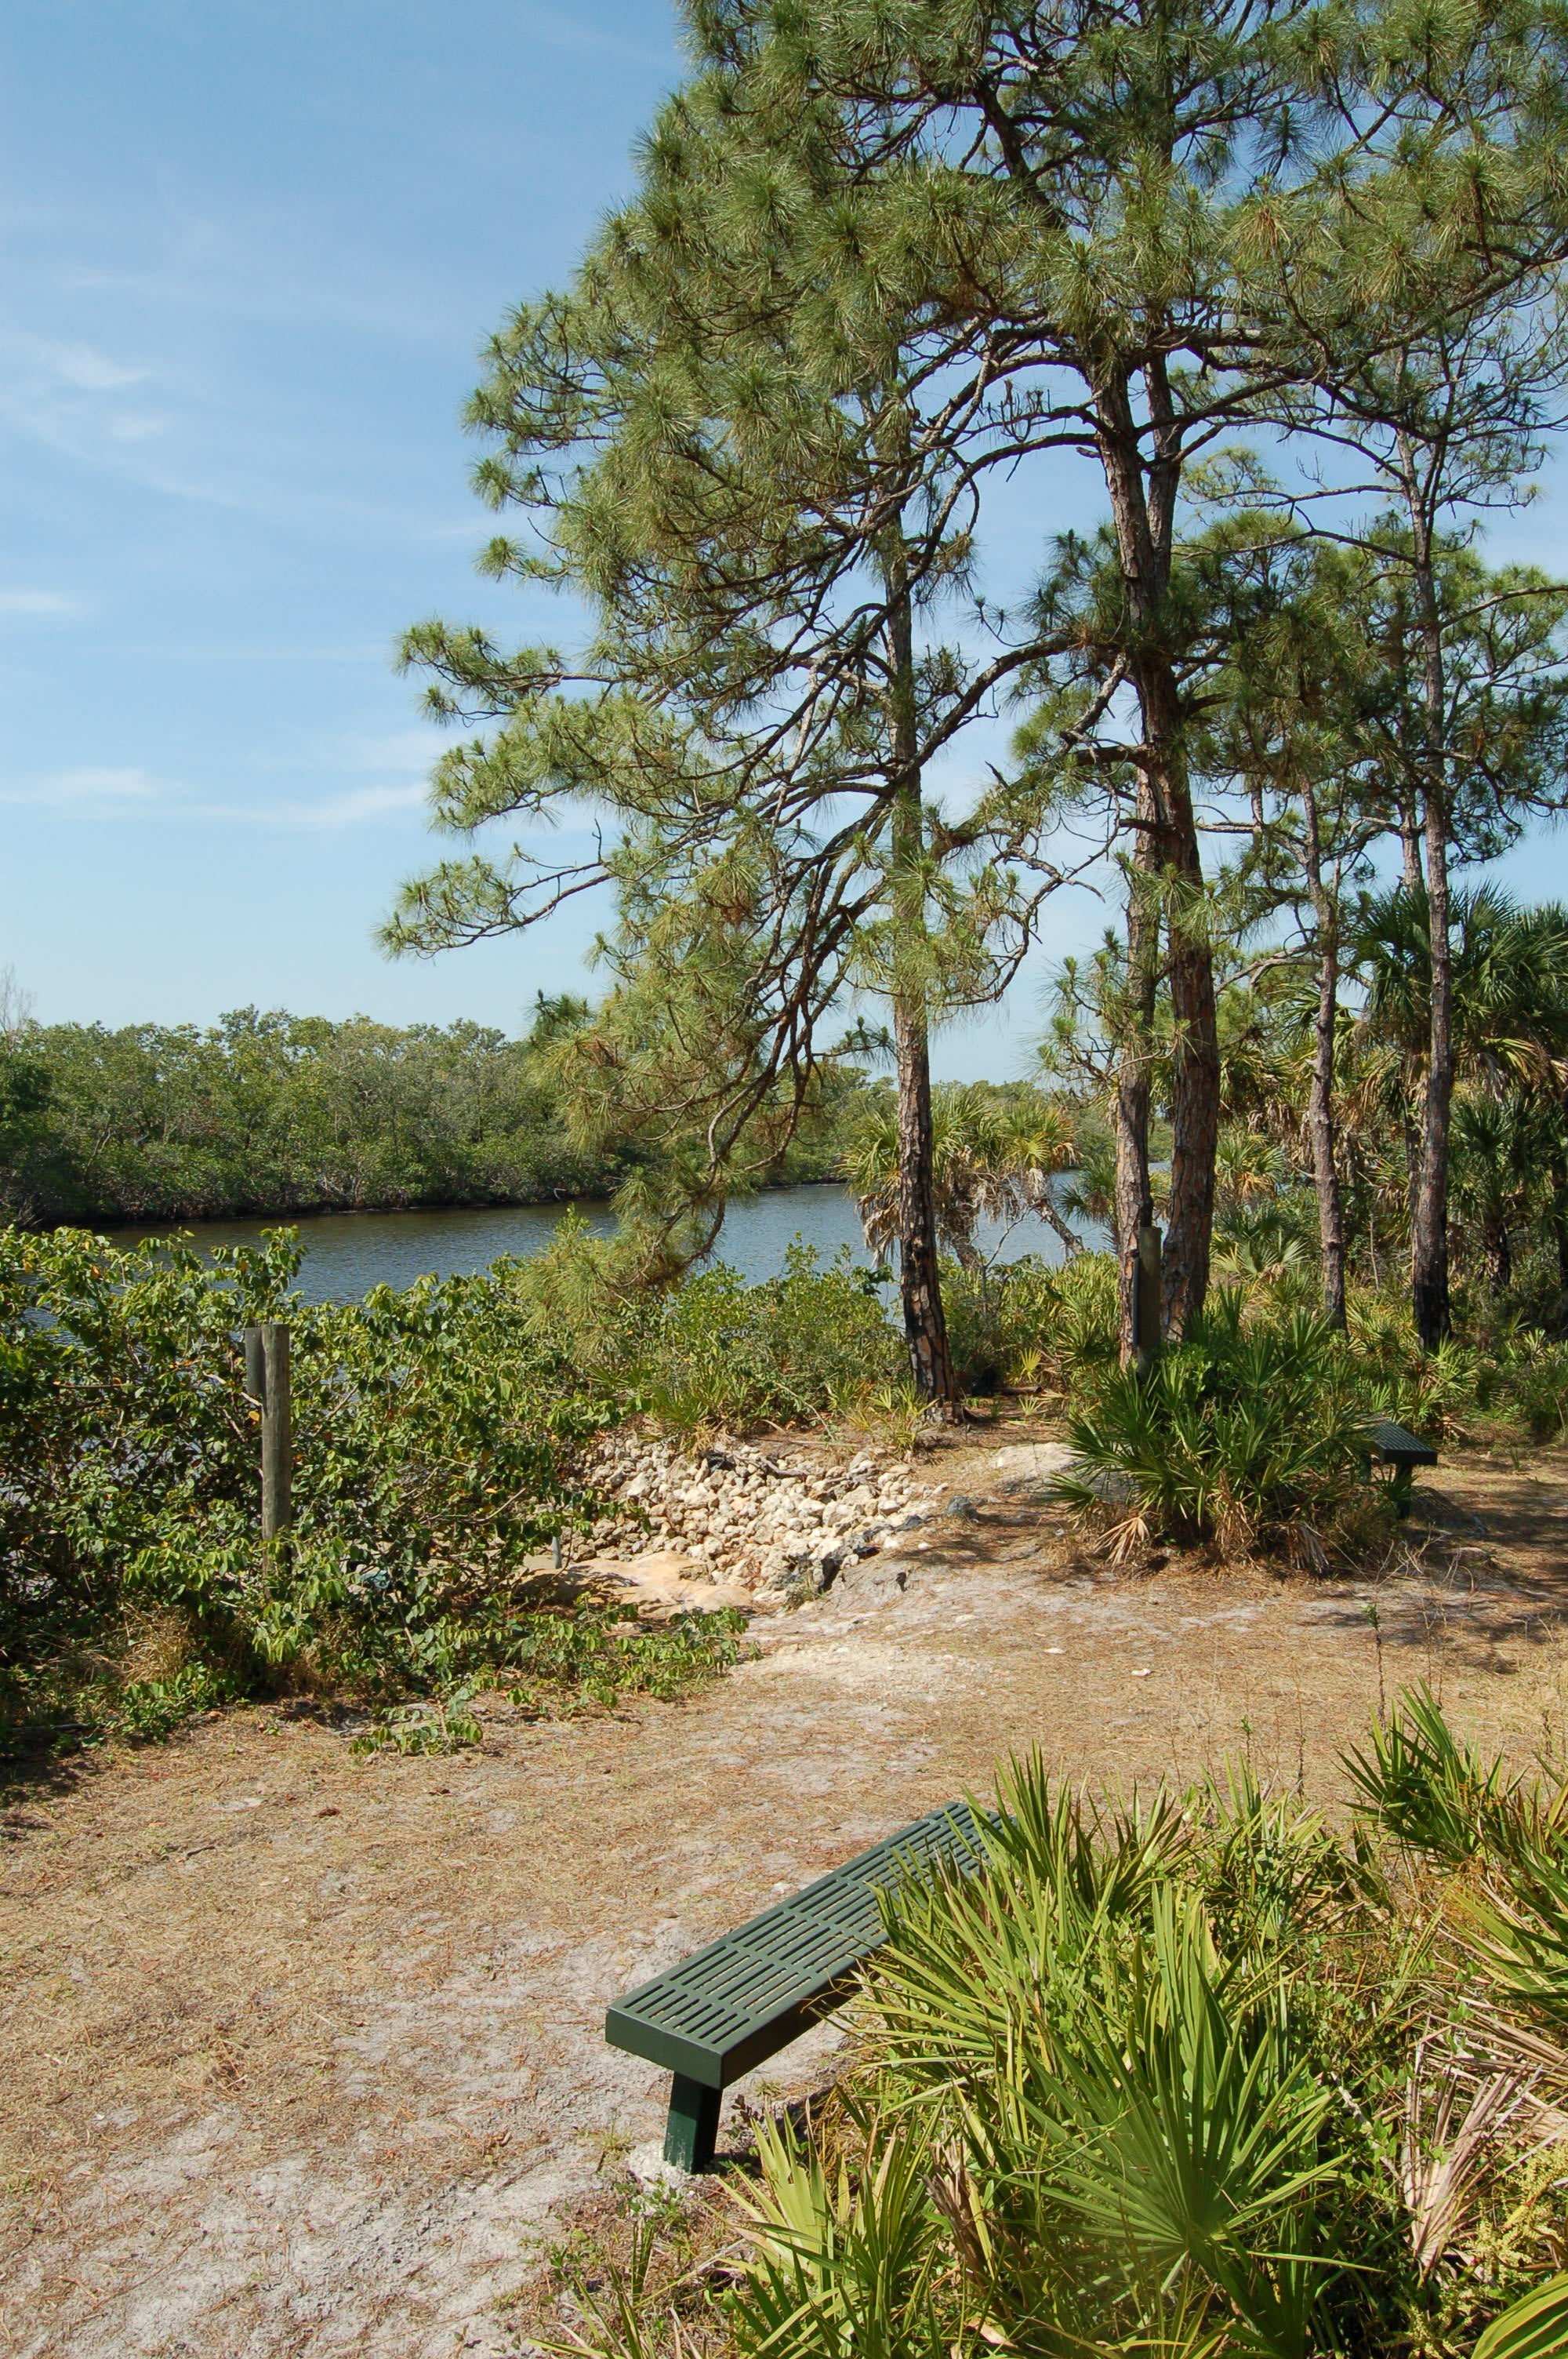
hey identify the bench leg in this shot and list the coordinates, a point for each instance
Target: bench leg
(691, 2129)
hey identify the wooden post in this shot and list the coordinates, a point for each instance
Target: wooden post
(267, 1383)
(1146, 1291)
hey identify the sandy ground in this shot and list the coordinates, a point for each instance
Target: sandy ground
(303, 2054)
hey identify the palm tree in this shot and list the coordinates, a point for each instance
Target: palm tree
(1510, 1043)
(993, 1156)
(1496, 1152)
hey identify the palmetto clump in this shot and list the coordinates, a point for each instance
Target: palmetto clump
(1200, 2079)
(1248, 1434)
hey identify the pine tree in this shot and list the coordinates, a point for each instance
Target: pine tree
(744, 451)
(1419, 320)
(1096, 167)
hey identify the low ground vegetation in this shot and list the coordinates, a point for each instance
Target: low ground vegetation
(440, 1443)
(446, 1435)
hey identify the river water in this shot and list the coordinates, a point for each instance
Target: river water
(348, 1253)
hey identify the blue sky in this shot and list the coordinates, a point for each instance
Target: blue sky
(251, 248)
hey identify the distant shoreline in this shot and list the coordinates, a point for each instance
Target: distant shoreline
(107, 1223)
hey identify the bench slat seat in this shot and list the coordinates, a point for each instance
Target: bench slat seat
(1401, 1452)
(726, 2008)
(1396, 1447)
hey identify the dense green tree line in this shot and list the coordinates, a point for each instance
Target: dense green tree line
(278, 1114)
(283, 1114)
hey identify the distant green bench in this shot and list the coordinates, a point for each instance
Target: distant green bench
(722, 2011)
(1391, 1446)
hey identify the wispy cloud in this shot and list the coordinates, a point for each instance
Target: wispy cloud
(70, 362)
(74, 397)
(48, 602)
(101, 790)
(352, 808)
(89, 786)
(100, 409)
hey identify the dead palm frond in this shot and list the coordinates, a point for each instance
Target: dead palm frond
(1443, 2166)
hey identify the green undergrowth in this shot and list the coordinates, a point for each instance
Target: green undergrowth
(553, 1664)
(1050, 1331)
(443, 1435)
(601, 1654)
(441, 1442)
(564, 1663)
(714, 1350)
(1252, 1435)
(431, 1725)
(1198, 2076)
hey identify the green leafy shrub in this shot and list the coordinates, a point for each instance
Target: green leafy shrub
(1433, 1794)
(718, 1351)
(149, 1711)
(437, 1446)
(603, 1654)
(1532, 1384)
(433, 1725)
(1433, 1394)
(1436, 1798)
(1508, 1374)
(440, 1437)
(1027, 1324)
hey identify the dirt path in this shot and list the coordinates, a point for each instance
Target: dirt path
(300, 2054)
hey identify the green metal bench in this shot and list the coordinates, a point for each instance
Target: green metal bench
(1391, 1446)
(726, 2008)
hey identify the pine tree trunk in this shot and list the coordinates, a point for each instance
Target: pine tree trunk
(1320, 1108)
(1133, 1206)
(1429, 1240)
(920, 1282)
(920, 1285)
(1142, 513)
(1410, 847)
(1195, 1055)
(1429, 1245)
(1409, 1121)
(1406, 792)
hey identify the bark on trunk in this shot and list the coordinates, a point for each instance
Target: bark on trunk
(1429, 1242)
(1320, 1108)
(1499, 1259)
(1142, 505)
(1195, 1051)
(1134, 1206)
(1411, 747)
(1559, 1218)
(1410, 847)
(920, 1283)
(1411, 1121)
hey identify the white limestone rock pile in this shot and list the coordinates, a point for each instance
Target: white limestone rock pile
(781, 1529)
